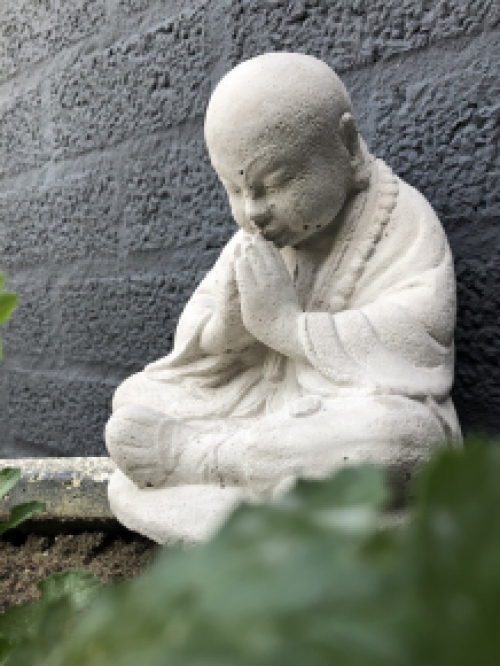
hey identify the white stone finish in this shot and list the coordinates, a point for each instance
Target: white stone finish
(183, 515)
(323, 335)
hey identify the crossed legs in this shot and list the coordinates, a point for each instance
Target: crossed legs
(310, 439)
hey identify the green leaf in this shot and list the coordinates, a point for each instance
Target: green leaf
(453, 559)
(78, 586)
(8, 303)
(62, 597)
(2, 281)
(278, 585)
(9, 476)
(5, 649)
(18, 622)
(21, 513)
(308, 579)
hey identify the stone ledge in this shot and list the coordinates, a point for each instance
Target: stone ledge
(73, 489)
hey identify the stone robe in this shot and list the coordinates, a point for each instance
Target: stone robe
(377, 332)
(378, 320)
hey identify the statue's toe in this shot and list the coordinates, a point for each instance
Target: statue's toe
(131, 437)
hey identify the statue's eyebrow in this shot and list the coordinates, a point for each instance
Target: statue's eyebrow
(263, 165)
(278, 172)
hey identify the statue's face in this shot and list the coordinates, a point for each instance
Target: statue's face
(287, 190)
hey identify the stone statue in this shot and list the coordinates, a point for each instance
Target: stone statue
(323, 335)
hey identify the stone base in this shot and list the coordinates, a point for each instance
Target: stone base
(181, 515)
(75, 492)
(72, 489)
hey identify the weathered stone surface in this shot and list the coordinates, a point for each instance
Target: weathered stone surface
(122, 321)
(70, 488)
(31, 331)
(173, 201)
(21, 140)
(60, 223)
(350, 33)
(152, 80)
(131, 7)
(477, 387)
(32, 30)
(440, 130)
(55, 414)
(89, 76)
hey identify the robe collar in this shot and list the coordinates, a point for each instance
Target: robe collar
(356, 241)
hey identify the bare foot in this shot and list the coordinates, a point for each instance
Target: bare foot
(137, 439)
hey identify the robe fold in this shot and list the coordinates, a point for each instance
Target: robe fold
(378, 320)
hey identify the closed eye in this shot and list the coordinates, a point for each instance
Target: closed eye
(277, 179)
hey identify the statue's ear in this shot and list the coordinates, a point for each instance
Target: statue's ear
(349, 134)
(351, 139)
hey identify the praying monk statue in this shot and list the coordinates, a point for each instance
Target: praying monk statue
(322, 336)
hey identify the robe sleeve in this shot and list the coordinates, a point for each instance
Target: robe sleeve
(187, 356)
(400, 340)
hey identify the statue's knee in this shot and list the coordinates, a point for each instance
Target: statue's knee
(131, 441)
(119, 429)
(413, 424)
(126, 392)
(113, 433)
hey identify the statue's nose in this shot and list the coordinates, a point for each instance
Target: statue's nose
(258, 211)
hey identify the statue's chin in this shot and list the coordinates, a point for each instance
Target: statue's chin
(278, 237)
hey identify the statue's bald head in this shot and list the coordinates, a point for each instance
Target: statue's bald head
(286, 93)
(283, 140)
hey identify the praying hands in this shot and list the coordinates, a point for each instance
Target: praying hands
(270, 307)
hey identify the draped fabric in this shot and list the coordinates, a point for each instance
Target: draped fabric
(378, 319)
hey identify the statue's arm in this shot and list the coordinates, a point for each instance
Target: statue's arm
(383, 347)
(213, 313)
(400, 340)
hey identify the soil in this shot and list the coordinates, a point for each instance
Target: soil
(27, 558)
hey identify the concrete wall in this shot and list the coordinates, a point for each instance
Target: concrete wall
(109, 211)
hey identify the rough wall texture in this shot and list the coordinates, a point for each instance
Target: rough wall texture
(109, 211)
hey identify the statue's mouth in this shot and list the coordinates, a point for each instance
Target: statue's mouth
(271, 234)
(277, 236)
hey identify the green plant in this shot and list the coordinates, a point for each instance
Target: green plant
(8, 303)
(62, 597)
(9, 476)
(310, 580)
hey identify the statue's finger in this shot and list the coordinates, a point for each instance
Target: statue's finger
(230, 286)
(257, 260)
(272, 258)
(270, 254)
(245, 275)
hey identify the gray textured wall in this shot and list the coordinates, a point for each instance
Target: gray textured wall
(110, 214)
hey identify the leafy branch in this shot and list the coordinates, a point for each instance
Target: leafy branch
(9, 477)
(311, 579)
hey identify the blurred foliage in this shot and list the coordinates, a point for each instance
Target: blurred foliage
(310, 580)
(62, 596)
(8, 303)
(9, 476)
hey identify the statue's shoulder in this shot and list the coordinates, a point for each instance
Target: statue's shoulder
(235, 240)
(413, 210)
(227, 252)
